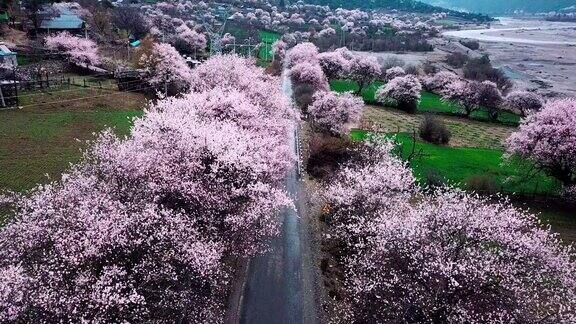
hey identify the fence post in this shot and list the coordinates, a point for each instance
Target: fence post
(16, 93)
(84, 82)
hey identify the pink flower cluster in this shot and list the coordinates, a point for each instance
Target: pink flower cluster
(167, 69)
(302, 53)
(142, 230)
(81, 51)
(395, 72)
(439, 82)
(404, 89)
(335, 113)
(443, 256)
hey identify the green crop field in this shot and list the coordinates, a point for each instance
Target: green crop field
(39, 141)
(457, 165)
(429, 102)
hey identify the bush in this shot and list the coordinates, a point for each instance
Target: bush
(457, 59)
(429, 68)
(327, 154)
(433, 130)
(303, 94)
(481, 69)
(471, 44)
(434, 180)
(413, 69)
(482, 184)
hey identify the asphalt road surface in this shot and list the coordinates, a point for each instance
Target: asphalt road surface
(274, 289)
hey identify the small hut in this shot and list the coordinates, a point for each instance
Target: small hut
(7, 57)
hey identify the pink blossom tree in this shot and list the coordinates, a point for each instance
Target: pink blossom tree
(404, 90)
(309, 74)
(523, 102)
(440, 257)
(192, 41)
(333, 64)
(463, 93)
(335, 113)
(473, 95)
(80, 51)
(279, 49)
(144, 228)
(488, 95)
(548, 138)
(168, 70)
(394, 72)
(227, 40)
(302, 53)
(439, 82)
(363, 70)
(79, 251)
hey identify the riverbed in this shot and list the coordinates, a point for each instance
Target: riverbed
(538, 55)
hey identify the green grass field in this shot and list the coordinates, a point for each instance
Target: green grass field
(39, 141)
(429, 102)
(268, 39)
(457, 165)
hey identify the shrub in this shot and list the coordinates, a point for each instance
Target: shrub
(481, 69)
(433, 130)
(471, 44)
(481, 184)
(457, 59)
(327, 154)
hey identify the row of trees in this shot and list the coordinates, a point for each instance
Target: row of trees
(329, 112)
(144, 229)
(412, 255)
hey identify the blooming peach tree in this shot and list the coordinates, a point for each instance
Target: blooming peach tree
(445, 256)
(335, 113)
(144, 228)
(363, 70)
(334, 64)
(167, 69)
(404, 90)
(523, 102)
(79, 50)
(548, 138)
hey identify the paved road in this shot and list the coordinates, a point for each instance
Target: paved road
(274, 288)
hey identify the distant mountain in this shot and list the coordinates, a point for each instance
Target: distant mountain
(498, 7)
(404, 5)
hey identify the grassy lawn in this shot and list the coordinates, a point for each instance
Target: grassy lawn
(46, 135)
(457, 165)
(465, 132)
(429, 102)
(268, 39)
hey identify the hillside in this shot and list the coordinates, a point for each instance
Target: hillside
(502, 7)
(404, 5)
